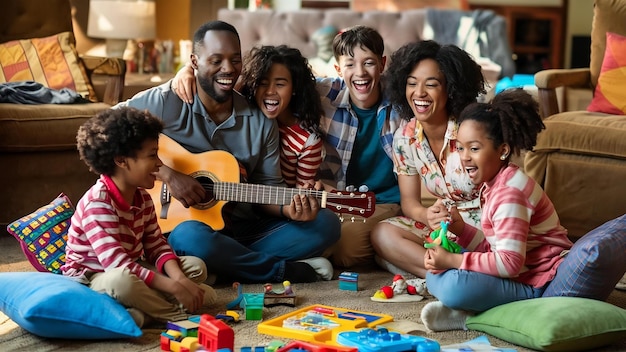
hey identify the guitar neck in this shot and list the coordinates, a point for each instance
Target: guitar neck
(262, 194)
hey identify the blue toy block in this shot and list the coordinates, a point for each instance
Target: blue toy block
(349, 281)
(381, 340)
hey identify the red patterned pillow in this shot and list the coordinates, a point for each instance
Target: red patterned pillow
(52, 61)
(609, 96)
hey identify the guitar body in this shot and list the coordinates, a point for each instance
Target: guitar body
(208, 167)
(218, 172)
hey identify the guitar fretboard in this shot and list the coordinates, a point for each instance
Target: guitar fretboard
(262, 194)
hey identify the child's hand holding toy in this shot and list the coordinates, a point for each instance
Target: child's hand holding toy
(439, 237)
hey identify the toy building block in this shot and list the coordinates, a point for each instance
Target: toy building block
(381, 340)
(187, 328)
(230, 316)
(253, 349)
(214, 334)
(252, 305)
(349, 281)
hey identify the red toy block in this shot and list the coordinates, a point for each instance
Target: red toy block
(214, 334)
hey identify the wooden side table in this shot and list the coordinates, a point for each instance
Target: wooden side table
(137, 82)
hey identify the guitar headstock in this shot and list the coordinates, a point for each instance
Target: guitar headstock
(360, 204)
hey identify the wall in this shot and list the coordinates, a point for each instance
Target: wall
(579, 18)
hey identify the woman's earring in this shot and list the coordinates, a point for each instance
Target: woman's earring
(503, 157)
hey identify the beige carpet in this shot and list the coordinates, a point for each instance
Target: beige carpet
(14, 338)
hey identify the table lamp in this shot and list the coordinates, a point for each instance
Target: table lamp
(120, 20)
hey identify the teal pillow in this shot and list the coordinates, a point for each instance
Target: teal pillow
(51, 305)
(554, 323)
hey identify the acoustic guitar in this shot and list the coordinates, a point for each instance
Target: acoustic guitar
(218, 172)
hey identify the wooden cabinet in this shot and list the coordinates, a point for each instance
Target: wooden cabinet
(536, 35)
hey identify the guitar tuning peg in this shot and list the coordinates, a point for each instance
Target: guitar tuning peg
(340, 218)
(363, 188)
(352, 219)
(350, 188)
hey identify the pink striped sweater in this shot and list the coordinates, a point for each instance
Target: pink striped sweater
(524, 240)
(106, 233)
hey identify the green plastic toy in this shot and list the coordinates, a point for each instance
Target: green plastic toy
(439, 237)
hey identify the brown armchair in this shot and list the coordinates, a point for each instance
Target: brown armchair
(580, 159)
(38, 142)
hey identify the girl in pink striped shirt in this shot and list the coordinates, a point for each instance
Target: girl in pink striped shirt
(524, 241)
(114, 242)
(279, 81)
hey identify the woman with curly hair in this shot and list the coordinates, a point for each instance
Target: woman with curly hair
(278, 79)
(429, 85)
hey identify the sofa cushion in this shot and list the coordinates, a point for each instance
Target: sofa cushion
(554, 323)
(579, 162)
(609, 95)
(608, 17)
(28, 128)
(578, 132)
(43, 234)
(52, 61)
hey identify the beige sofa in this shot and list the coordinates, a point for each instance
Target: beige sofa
(580, 159)
(38, 142)
(301, 29)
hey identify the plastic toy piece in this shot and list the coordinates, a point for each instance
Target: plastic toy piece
(273, 298)
(349, 281)
(381, 340)
(237, 301)
(198, 333)
(314, 347)
(399, 291)
(335, 320)
(439, 237)
(214, 334)
(230, 316)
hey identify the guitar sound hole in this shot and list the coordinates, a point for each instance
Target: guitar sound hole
(207, 184)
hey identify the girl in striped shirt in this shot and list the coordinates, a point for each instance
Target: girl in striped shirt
(524, 242)
(278, 79)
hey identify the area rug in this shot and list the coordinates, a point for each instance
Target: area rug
(14, 338)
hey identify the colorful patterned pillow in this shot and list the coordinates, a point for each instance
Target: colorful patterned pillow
(52, 61)
(43, 234)
(609, 96)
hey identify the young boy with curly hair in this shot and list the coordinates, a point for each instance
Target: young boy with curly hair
(115, 245)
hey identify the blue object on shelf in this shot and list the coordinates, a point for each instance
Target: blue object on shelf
(518, 81)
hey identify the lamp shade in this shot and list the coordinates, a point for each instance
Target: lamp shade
(122, 19)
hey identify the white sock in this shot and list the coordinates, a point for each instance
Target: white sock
(322, 267)
(437, 317)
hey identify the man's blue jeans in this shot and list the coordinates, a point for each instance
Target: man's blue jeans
(263, 260)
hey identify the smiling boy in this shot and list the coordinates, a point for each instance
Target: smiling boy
(359, 123)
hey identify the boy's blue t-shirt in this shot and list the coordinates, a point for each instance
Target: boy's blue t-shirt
(369, 164)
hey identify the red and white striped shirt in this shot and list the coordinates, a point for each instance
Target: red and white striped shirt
(107, 233)
(524, 239)
(300, 155)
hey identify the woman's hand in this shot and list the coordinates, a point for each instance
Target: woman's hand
(184, 84)
(437, 213)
